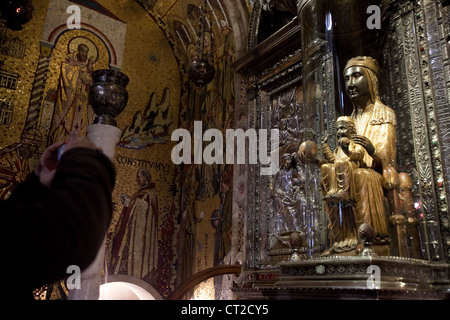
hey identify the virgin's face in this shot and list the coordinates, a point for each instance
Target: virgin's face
(356, 83)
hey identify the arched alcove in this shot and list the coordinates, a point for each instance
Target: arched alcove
(60, 30)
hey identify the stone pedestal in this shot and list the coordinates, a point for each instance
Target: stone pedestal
(106, 138)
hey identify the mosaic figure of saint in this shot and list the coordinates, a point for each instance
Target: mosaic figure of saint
(135, 244)
(72, 110)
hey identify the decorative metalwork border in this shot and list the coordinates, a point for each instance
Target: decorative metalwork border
(414, 72)
(432, 68)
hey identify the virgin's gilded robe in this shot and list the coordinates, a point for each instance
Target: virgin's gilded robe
(376, 122)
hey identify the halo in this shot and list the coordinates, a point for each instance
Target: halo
(73, 44)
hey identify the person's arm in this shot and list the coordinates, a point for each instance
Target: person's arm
(31, 190)
(68, 225)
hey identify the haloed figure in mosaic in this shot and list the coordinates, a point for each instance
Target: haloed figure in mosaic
(72, 111)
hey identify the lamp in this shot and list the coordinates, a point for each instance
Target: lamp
(201, 71)
(108, 95)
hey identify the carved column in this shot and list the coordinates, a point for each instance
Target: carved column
(37, 92)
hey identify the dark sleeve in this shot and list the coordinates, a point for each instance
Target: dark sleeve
(67, 226)
(30, 191)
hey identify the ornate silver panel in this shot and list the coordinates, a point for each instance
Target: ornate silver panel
(416, 85)
(437, 95)
(414, 89)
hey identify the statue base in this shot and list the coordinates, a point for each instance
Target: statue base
(349, 277)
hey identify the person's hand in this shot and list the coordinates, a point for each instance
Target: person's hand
(75, 141)
(46, 167)
(365, 142)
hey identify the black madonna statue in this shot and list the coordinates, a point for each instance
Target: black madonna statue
(358, 195)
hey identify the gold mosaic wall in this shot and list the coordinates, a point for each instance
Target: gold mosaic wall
(25, 68)
(154, 59)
